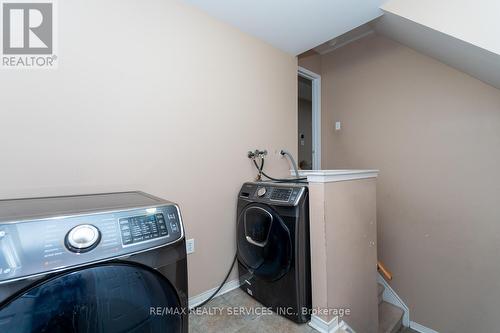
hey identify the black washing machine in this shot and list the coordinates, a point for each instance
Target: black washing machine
(273, 247)
(92, 263)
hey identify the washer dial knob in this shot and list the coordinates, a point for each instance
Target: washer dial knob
(83, 238)
(261, 191)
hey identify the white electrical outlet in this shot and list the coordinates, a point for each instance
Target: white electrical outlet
(338, 126)
(190, 246)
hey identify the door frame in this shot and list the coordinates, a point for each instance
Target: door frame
(316, 115)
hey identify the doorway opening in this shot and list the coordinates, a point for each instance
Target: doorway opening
(309, 120)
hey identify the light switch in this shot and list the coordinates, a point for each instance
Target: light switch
(338, 126)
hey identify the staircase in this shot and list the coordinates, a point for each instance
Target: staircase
(390, 317)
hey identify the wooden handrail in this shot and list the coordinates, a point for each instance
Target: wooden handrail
(384, 270)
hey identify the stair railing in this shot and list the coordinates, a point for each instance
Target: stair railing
(385, 272)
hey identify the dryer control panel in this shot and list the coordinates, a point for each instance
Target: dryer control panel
(143, 228)
(35, 247)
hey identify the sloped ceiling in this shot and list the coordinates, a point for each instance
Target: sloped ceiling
(475, 22)
(462, 34)
(293, 26)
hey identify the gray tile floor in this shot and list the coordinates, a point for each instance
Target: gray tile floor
(224, 319)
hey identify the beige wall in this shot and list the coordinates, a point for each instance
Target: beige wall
(157, 96)
(344, 251)
(434, 133)
(351, 234)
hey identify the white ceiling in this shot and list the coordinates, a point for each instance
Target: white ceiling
(294, 26)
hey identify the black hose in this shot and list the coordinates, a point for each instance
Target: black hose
(261, 167)
(274, 179)
(220, 287)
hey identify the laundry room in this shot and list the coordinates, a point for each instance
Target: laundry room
(155, 96)
(218, 166)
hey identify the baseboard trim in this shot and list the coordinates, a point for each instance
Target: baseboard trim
(316, 322)
(200, 298)
(322, 326)
(421, 328)
(346, 328)
(390, 296)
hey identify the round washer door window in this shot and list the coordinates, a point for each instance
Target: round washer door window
(264, 242)
(98, 299)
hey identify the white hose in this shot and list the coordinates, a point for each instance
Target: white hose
(292, 160)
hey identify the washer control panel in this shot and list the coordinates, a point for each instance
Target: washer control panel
(282, 194)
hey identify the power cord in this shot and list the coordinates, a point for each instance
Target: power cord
(220, 287)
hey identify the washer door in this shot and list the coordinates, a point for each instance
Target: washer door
(264, 242)
(114, 297)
